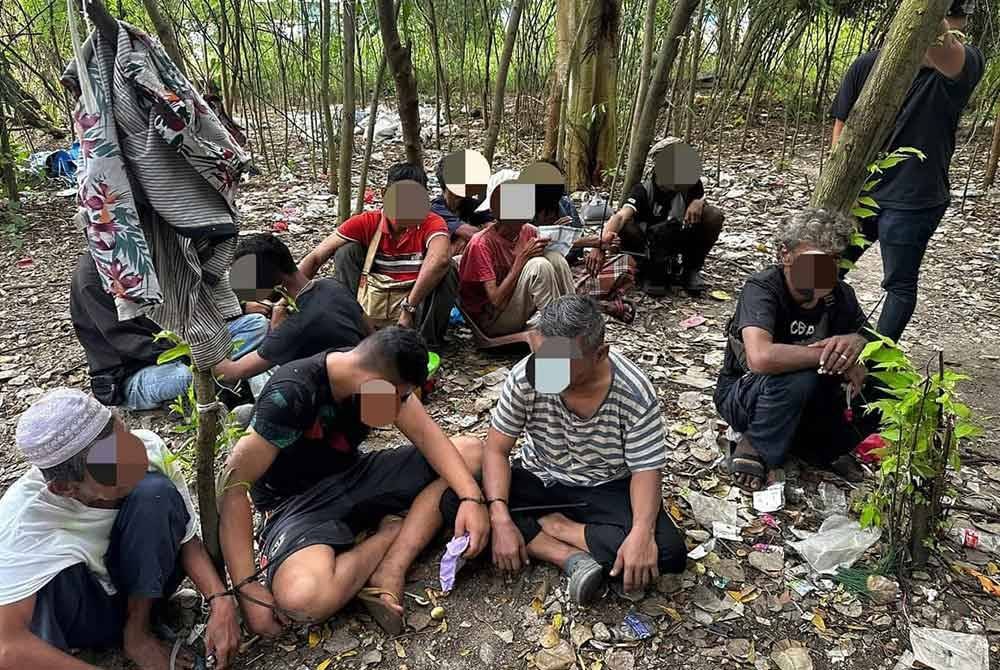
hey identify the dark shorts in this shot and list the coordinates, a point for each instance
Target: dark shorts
(607, 516)
(344, 504)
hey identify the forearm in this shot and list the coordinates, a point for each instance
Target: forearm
(466, 231)
(646, 496)
(505, 290)
(236, 533)
(430, 276)
(198, 566)
(615, 224)
(776, 359)
(448, 463)
(310, 265)
(25, 650)
(585, 242)
(838, 128)
(496, 481)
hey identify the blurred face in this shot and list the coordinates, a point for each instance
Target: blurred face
(677, 167)
(406, 204)
(381, 401)
(810, 273)
(115, 466)
(561, 363)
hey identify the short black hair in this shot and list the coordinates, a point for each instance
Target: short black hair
(274, 260)
(547, 197)
(398, 354)
(410, 171)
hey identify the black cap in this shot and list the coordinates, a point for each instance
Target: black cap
(962, 8)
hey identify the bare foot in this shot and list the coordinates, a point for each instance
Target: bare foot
(149, 653)
(750, 473)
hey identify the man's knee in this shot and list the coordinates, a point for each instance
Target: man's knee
(712, 220)
(672, 554)
(303, 582)
(470, 448)
(796, 386)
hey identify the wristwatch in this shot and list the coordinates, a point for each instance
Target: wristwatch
(407, 307)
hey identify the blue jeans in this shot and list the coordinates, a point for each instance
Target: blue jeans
(903, 236)
(74, 611)
(152, 386)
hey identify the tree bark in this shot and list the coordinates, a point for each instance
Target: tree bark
(560, 70)
(642, 136)
(646, 64)
(347, 120)
(493, 131)
(398, 58)
(370, 137)
(991, 162)
(168, 38)
(913, 29)
(6, 156)
(324, 94)
(208, 430)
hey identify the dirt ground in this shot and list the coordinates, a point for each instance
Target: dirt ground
(490, 620)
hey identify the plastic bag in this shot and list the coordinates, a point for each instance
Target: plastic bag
(945, 650)
(838, 544)
(452, 561)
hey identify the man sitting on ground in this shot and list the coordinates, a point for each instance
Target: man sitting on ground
(90, 541)
(594, 443)
(457, 205)
(663, 217)
(121, 355)
(794, 342)
(301, 465)
(506, 275)
(325, 315)
(413, 248)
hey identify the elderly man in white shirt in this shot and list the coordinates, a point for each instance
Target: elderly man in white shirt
(96, 531)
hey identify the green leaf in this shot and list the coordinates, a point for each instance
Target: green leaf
(870, 185)
(868, 515)
(966, 429)
(911, 150)
(862, 212)
(868, 201)
(891, 161)
(174, 353)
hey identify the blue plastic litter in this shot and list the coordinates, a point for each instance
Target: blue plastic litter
(455, 318)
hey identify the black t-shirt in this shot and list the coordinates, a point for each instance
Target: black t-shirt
(317, 435)
(766, 302)
(656, 209)
(928, 121)
(329, 317)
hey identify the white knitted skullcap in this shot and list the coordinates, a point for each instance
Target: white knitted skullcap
(59, 425)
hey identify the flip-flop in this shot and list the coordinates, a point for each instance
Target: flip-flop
(386, 617)
(750, 464)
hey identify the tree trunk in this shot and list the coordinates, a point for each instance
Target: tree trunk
(369, 137)
(347, 120)
(399, 61)
(7, 156)
(513, 21)
(693, 81)
(440, 73)
(560, 70)
(208, 430)
(642, 135)
(991, 162)
(168, 38)
(914, 28)
(646, 66)
(324, 94)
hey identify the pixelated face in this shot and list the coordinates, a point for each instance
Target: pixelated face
(466, 172)
(513, 202)
(381, 400)
(549, 185)
(406, 203)
(245, 280)
(810, 271)
(677, 167)
(115, 466)
(555, 364)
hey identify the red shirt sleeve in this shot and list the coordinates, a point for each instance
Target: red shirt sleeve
(477, 262)
(433, 225)
(361, 227)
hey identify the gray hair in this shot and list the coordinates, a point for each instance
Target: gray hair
(828, 231)
(74, 470)
(573, 316)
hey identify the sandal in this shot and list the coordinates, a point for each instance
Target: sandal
(387, 618)
(750, 464)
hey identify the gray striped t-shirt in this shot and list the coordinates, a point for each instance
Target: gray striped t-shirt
(625, 435)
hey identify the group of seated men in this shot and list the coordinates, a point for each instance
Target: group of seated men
(100, 529)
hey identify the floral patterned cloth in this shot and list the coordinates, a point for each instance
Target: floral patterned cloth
(156, 189)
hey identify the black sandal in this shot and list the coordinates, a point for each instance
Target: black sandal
(748, 464)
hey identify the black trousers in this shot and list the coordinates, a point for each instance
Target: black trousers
(692, 243)
(607, 517)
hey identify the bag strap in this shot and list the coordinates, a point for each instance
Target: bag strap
(372, 249)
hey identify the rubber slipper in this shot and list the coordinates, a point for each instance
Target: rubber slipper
(387, 618)
(749, 465)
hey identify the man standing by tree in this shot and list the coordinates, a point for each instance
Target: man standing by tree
(913, 198)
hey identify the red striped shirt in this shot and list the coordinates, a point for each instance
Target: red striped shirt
(398, 256)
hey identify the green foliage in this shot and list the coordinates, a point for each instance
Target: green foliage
(865, 206)
(12, 224)
(915, 419)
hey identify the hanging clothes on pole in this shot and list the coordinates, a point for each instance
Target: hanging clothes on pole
(156, 189)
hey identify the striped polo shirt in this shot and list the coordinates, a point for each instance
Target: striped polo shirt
(625, 435)
(399, 256)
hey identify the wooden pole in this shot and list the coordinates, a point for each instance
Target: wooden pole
(208, 431)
